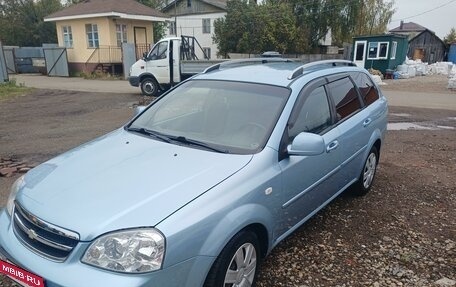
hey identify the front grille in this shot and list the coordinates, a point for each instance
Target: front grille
(41, 237)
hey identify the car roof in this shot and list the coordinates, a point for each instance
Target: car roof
(273, 72)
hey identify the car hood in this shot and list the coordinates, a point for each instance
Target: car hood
(122, 180)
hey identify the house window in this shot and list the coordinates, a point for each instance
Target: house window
(207, 52)
(121, 32)
(377, 50)
(206, 26)
(383, 50)
(172, 28)
(92, 35)
(67, 37)
(189, 3)
(393, 50)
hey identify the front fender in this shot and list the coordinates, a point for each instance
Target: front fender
(232, 223)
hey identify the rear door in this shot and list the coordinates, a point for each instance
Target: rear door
(352, 123)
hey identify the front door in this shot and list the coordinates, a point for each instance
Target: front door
(158, 62)
(141, 41)
(309, 182)
(360, 53)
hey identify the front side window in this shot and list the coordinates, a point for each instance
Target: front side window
(234, 117)
(159, 51)
(315, 115)
(67, 36)
(368, 91)
(345, 97)
(206, 26)
(121, 33)
(92, 35)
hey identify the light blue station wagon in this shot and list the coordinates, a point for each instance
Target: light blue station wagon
(198, 187)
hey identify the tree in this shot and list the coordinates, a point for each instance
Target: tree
(252, 28)
(22, 22)
(361, 17)
(159, 27)
(450, 38)
(297, 26)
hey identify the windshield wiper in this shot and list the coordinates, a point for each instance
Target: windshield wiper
(148, 132)
(185, 140)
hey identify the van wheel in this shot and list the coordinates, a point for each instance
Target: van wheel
(237, 264)
(149, 87)
(366, 178)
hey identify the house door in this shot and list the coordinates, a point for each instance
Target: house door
(418, 54)
(141, 41)
(360, 53)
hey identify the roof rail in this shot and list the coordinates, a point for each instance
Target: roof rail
(242, 62)
(332, 63)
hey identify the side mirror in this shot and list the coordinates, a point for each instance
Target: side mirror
(145, 56)
(138, 110)
(307, 144)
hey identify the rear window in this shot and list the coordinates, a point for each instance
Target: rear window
(369, 92)
(345, 97)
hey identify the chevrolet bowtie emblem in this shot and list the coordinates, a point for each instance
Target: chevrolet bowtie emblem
(32, 234)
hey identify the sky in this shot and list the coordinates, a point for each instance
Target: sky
(437, 15)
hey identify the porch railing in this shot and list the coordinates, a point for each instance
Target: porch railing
(106, 55)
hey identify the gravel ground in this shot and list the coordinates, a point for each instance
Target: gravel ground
(403, 233)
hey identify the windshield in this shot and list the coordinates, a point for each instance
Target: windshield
(226, 116)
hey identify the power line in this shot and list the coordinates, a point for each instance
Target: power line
(425, 12)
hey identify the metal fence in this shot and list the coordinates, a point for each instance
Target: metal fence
(56, 61)
(3, 70)
(141, 49)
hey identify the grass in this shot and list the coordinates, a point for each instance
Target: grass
(11, 89)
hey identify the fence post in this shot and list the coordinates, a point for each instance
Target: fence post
(3, 72)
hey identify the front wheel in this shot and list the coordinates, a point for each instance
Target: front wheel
(237, 264)
(149, 87)
(366, 178)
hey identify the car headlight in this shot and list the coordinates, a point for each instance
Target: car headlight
(129, 251)
(17, 185)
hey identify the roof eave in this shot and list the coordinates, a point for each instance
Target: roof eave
(109, 14)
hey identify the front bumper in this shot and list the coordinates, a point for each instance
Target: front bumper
(73, 272)
(134, 81)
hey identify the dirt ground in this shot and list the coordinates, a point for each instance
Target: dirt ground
(403, 233)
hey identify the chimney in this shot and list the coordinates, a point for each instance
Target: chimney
(402, 25)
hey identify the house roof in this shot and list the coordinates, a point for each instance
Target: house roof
(408, 27)
(217, 3)
(428, 31)
(127, 9)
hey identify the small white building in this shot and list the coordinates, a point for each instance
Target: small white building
(196, 18)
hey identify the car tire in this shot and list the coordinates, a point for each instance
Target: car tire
(366, 178)
(149, 87)
(237, 264)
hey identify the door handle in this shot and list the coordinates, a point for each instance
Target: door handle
(367, 122)
(332, 146)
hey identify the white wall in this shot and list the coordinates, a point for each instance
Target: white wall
(192, 25)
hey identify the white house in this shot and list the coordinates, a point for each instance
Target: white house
(196, 18)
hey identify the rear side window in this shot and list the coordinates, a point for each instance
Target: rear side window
(345, 97)
(369, 92)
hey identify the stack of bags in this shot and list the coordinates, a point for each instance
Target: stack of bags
(452, 78)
